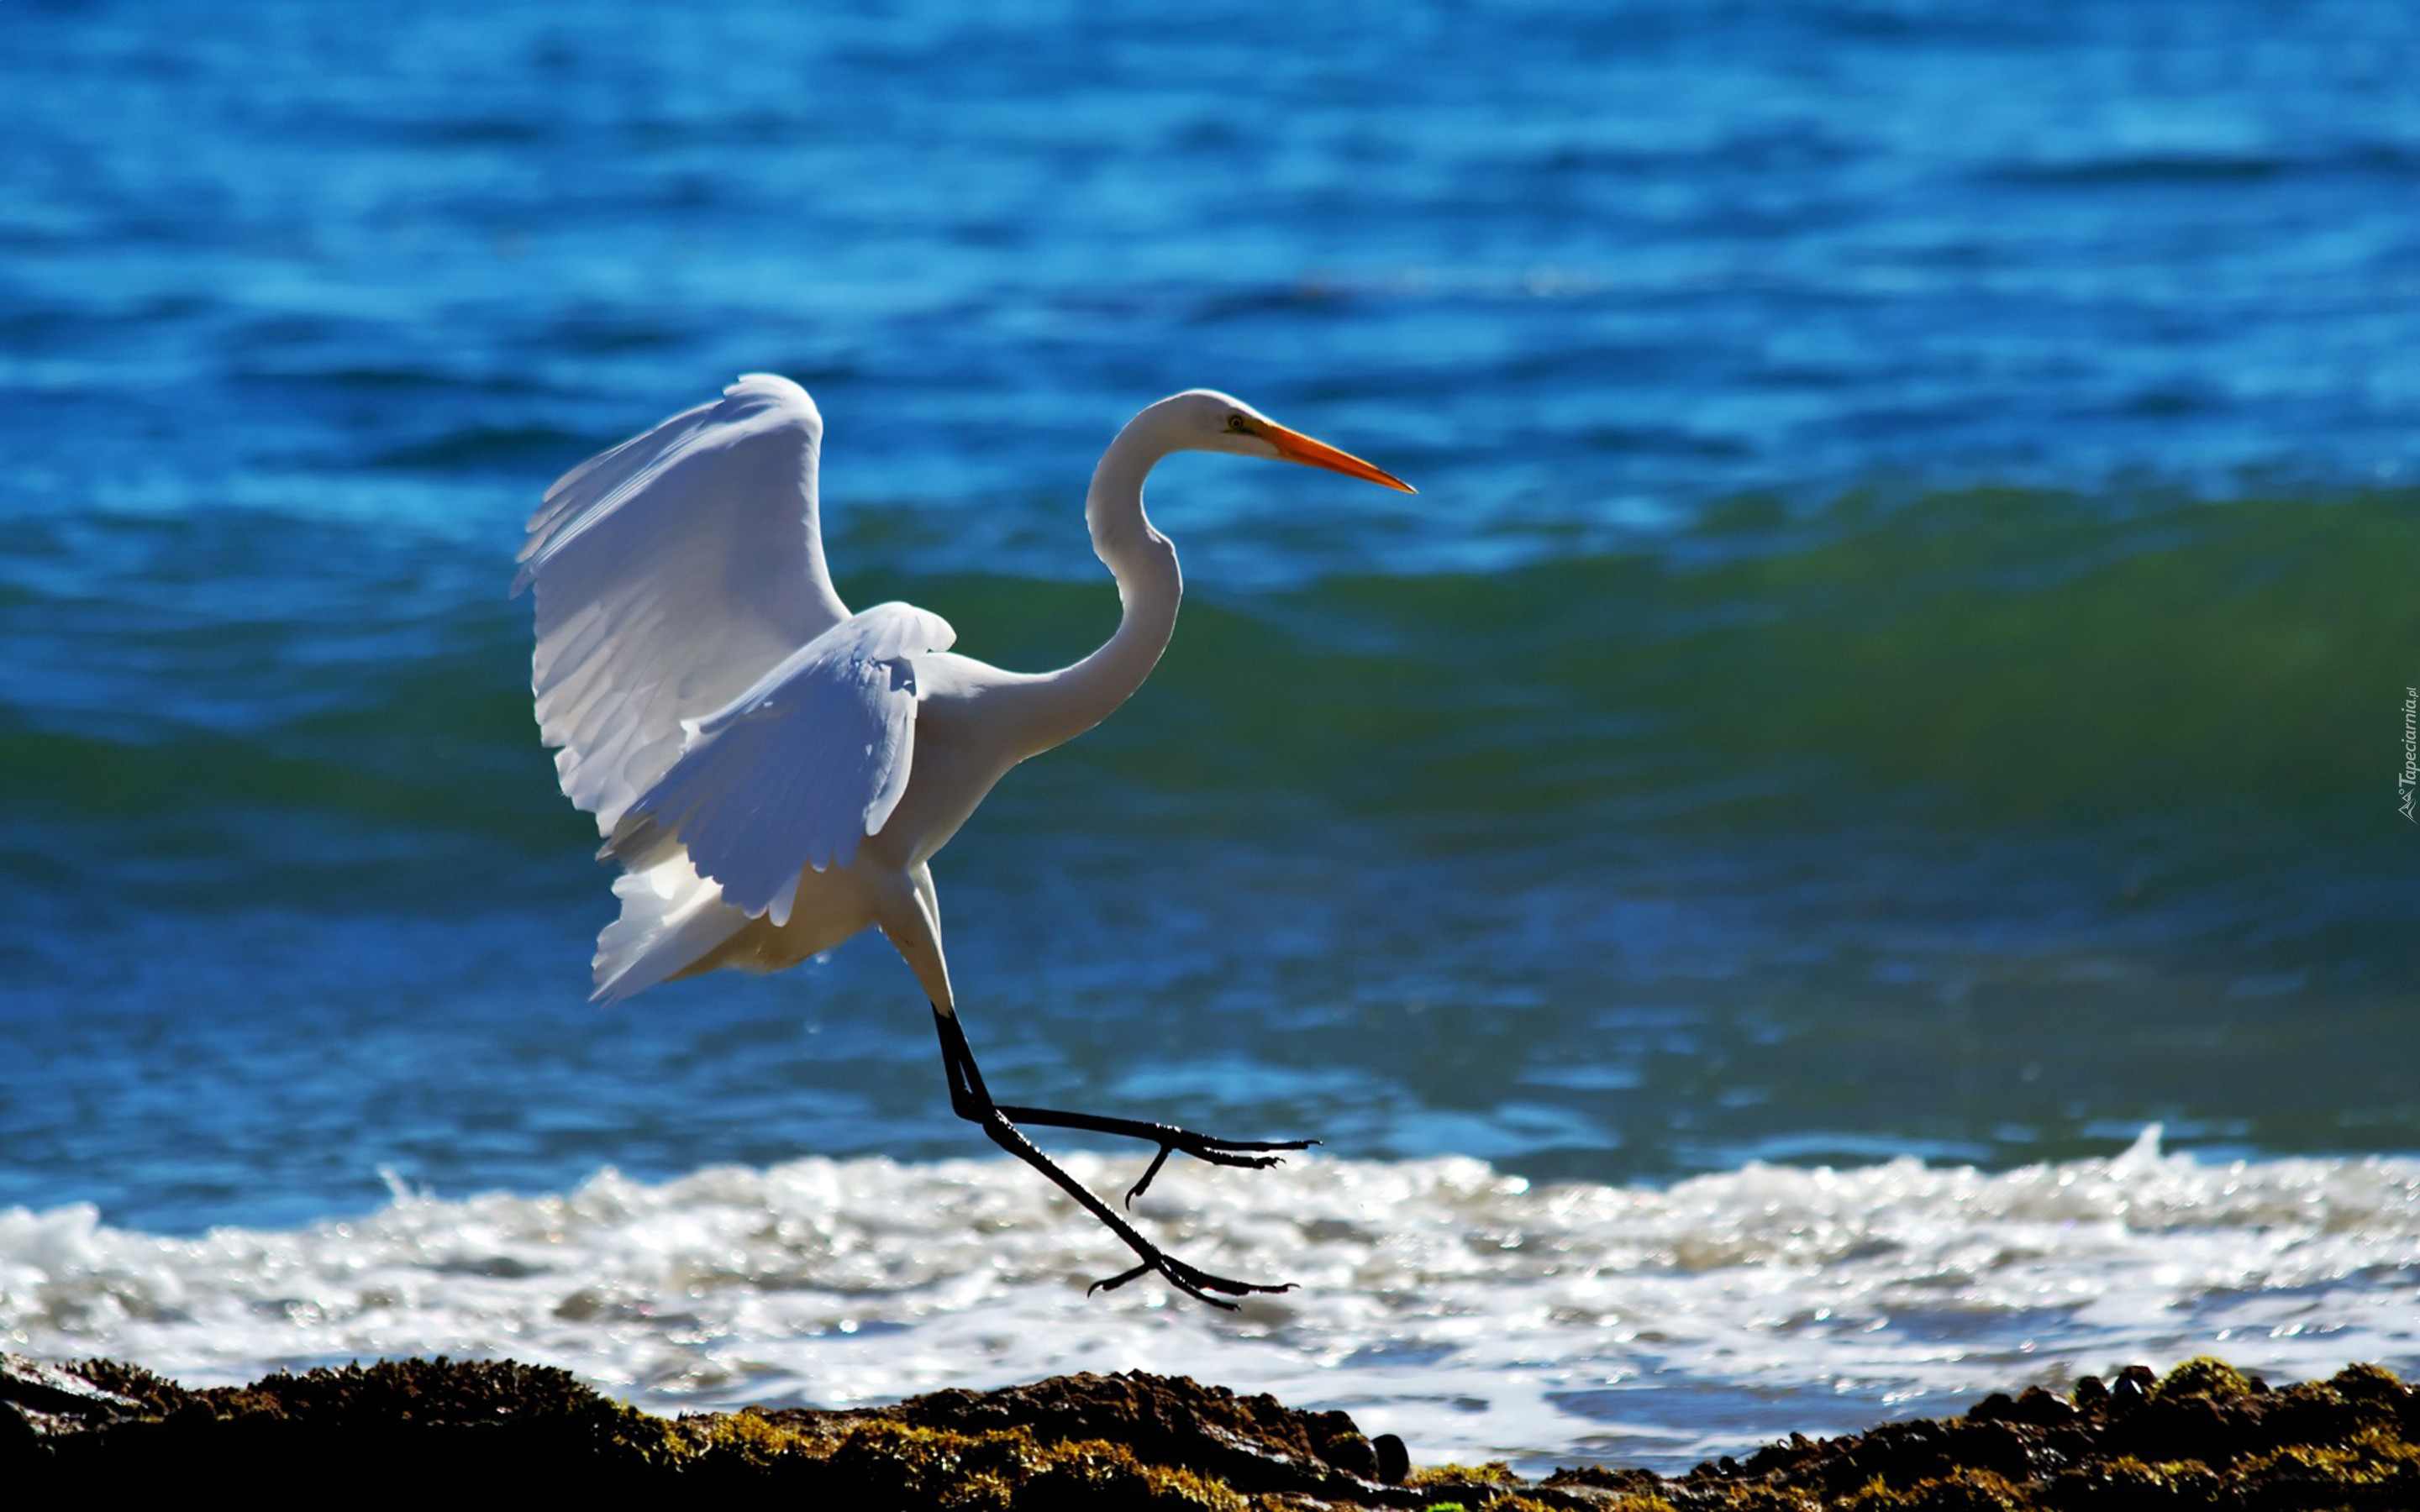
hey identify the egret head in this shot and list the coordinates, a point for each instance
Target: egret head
(1208, 421)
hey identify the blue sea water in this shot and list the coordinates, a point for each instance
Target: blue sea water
(1900, 648)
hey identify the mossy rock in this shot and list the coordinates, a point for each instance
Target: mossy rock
(2205, 1434)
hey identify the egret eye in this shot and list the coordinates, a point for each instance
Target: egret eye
(1235, 422)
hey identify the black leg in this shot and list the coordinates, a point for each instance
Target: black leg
(971, 1100)
(1168, 1137)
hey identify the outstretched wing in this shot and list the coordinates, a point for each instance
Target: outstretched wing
(672, 572)
(799, 768)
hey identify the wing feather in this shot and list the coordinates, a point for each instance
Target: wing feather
(672, 572)
(797, 770)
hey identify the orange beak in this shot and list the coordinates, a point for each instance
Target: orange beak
(1293, 446)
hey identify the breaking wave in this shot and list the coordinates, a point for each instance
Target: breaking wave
(1475, 1313)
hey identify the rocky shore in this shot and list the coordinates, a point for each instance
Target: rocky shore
(2204, 1436)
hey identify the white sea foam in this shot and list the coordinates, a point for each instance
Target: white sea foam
(1472, 1312)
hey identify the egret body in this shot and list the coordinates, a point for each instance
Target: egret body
(775, 773)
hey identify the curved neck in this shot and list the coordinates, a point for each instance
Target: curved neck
(1149, 588)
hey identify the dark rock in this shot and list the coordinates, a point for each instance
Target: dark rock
(1992, 1409)
(2042, 1409)
(2203, 1436)
(1637, 1483)
(1394, 1460)
(2134, 1387)
(1255, 1443)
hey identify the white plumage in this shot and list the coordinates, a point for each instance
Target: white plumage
(799, 769)
(775, 773)
(672, 572)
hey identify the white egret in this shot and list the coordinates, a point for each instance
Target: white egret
(773, 772)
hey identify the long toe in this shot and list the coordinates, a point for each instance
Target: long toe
(1247, 1155)
(1206, 1146)
(1170, 1272)
(1191, 1280)
(1176, 1269)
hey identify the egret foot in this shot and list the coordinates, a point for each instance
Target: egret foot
(970, 1100)
(1168, 1137)
(1191, 1280)
(1208, 1148)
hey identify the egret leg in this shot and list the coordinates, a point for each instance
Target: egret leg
(1168, 1137)
(1251, 1153)
(971, 1100)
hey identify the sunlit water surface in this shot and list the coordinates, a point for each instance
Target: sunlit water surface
(1891, 685)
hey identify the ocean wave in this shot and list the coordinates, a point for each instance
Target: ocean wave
(1981, 652)
(1474, 1312)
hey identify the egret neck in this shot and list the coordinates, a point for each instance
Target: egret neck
(1143, 561)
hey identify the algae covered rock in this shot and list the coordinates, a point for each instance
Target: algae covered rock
(413, 1418)
(2206, 1435)
(1146, 1442)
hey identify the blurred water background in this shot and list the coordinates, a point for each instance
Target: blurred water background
(1899, 657)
